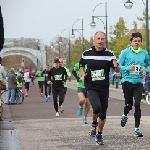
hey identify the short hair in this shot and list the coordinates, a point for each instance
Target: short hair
(12, 70)
(135, 35)
(99, 32)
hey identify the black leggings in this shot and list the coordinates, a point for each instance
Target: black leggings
(56, 93)
(99, 102)
(27, 85)
(133, 90)
(41, 83)
(47, 89)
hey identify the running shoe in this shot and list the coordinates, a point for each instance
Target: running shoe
(138, 133)
(80, 111)
(85, 121)
(123, 120)
(48, 99)
(99, 139)
(57, 114)
(41, 94)
(93, 130)
(26, 95)
(62, 109)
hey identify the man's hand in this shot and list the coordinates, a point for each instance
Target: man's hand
(83, 77)
(144, 73)
(132, 67)
(49, 82)
(63, 82)
(115, 63)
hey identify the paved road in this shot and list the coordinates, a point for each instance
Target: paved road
(37, 128)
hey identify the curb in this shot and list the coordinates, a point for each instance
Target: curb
(111, 89)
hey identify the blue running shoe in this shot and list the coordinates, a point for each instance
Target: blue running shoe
(123, 120)
(85, 121)
(99, 139)
(48, 99)
(80, 111)
(138, 133)
(92, 132)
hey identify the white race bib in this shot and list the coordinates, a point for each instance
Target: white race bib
(98, 75)
(136, 70)
(58, 77)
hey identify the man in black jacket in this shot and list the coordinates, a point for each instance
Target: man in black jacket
(1, 31)
(56, 76)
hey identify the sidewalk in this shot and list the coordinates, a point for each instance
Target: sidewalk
(111, 87)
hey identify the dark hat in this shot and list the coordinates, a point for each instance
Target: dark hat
(56, 60)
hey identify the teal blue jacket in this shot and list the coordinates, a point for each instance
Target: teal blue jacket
(129, 57)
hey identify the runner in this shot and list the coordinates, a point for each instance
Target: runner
(131, 62)
(65, 85)
(40, 80)
(33, 77)
(82, 94)
(56, 76)
(99, 60)
(20, 79)
(27, 80)
(47, 86)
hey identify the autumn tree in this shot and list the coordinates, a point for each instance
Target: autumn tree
(119, 39)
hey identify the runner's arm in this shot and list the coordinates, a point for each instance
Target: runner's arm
(121, 61)
(75, 75)
(147, 62)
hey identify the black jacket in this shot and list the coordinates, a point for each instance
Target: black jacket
(1, 31)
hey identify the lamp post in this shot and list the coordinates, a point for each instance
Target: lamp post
(129, 5)
(93, 24)
(69, 53)
(72, 35)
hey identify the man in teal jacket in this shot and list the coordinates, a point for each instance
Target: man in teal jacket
(131, 62)
(40, 79)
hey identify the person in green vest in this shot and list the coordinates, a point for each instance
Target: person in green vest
(40, 79)
(20, 79)
(65, 85)
(82, 93)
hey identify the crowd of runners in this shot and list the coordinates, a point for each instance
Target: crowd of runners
(92, 75)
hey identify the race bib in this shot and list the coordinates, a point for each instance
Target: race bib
(136, 70)
(58, 77)
(98, 75)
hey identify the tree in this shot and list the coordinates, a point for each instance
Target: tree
(76, 52)
(119, 39)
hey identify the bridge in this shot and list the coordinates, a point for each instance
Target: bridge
(33, 49)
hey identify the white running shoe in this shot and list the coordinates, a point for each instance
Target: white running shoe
(57, 114)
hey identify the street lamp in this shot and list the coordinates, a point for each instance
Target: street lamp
(69, 55)
(93, 24)
(129, 5)
(72, 35)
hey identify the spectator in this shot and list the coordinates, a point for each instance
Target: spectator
(12, 82)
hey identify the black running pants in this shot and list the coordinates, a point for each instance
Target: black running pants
(47, 89)
(41, 83)
(99, 102)
(58, 93)
(133, 91)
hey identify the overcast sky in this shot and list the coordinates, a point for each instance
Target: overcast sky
(45, 19)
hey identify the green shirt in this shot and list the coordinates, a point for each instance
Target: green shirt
(19, 74)
(38, 74)
(77, 69)
(69, 74)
